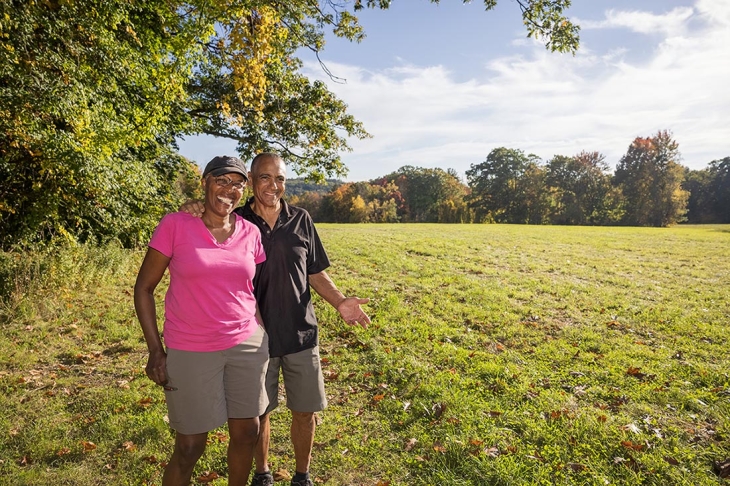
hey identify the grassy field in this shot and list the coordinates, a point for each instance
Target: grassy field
(498, 355)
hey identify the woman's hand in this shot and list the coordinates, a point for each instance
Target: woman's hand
(156, 368)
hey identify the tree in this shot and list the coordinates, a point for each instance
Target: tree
(88, 92)
(701, 201)
(581, 189)
(718, 189)
(498, 188)
(651, 181)
(430, 195)
(534, 194)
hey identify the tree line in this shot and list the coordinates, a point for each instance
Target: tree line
(649, 187)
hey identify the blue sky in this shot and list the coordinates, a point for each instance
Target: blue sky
(443, 85)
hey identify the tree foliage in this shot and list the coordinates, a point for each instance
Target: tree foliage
(500, 188)
(650, 178)
(88, 92)
(720, 189)
(581, 189)
(429, 195)
(709, 189)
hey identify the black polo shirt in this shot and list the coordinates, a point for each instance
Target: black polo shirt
(281, 285)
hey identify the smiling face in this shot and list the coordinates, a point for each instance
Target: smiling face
(268, 181)
(221, 194)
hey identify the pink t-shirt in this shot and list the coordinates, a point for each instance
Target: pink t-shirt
(209, 305)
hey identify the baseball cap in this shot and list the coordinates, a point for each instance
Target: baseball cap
(223, 164)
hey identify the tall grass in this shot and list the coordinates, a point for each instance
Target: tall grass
(505, 355)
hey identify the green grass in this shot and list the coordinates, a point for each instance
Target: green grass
(500, 355)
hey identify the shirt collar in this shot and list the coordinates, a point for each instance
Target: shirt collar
(284, 215)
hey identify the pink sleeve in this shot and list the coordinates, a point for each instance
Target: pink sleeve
(163, 237)
(259, 255)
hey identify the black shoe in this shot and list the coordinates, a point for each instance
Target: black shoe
(263, 479)
(302, 482)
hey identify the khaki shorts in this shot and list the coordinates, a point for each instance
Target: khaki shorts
(303, 381)
(211, 387)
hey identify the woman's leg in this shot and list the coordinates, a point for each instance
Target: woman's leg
(244, 435)
(188, 449)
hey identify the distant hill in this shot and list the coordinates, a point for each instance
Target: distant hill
(297, 187)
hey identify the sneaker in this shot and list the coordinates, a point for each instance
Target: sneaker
(302, 482)
(263, 479)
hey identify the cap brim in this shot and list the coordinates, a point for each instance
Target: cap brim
(227, 170)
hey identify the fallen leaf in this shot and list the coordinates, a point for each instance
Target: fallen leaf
(630, 445)
(438, 409)
(88, 446)
(536, 456)
(63, 451)
(207, 477)
(410, 444)
(218, 436)
(282, 475)
(129, 446)
(722, 468)
(671, 461)
(438, 447)
(491, 451)
(577, 467)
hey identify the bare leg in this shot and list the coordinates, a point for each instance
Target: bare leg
(188, 449)
(244, 434)
(302, 437)
(261, 452)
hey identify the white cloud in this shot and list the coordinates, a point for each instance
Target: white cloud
(548, 104)
(669, 23)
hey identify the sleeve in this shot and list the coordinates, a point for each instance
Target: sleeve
(259, 255)
(317, 260)
(163, 238)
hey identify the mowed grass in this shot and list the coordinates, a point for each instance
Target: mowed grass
(498, 355)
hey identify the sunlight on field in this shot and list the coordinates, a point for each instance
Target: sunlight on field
(498, 354)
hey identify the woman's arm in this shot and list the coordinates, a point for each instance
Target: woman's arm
(150, 273)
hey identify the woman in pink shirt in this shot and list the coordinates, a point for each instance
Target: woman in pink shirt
(213, 363)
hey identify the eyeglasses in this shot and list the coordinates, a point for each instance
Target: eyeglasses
(224, 181)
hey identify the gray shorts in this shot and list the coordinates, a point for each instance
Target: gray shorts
(303, 381)
(211, 387)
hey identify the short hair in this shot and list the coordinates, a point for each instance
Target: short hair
(264, 155)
